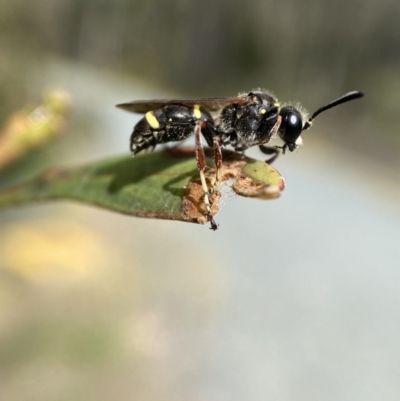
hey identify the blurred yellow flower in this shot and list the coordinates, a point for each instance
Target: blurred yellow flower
(53, 250)
(32, 127)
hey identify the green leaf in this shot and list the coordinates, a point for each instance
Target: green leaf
(163, 185)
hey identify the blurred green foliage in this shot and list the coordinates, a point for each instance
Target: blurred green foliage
(202, 46)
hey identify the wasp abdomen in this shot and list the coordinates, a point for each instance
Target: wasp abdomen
(170, 123)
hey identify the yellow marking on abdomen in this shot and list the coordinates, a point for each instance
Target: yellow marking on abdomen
(152, 120)
(196, 111)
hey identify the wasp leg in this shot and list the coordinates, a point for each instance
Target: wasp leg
(201, 165)
(213, 141)
(217, 161)
(273, 150)
(270, 150)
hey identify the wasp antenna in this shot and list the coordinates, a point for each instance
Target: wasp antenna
(343, 99)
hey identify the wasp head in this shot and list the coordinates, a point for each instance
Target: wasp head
(291, 127)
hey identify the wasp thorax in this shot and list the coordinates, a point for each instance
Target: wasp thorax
(259, 106)
(291, 126)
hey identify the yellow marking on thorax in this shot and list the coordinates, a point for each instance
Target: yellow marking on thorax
(196, 111)
(152, 120)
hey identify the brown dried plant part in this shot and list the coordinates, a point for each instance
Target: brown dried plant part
(247, 177)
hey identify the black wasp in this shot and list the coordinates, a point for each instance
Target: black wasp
(242, 121)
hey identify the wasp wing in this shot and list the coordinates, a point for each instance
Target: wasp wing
(211, 103)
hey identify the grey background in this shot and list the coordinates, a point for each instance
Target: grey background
(291, 299)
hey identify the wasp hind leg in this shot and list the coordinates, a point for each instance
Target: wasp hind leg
(201, 165)
(217, 161)
(213, 141)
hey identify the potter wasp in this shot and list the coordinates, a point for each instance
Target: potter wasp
(243, 121)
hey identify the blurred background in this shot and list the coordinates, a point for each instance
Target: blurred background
(292, 299)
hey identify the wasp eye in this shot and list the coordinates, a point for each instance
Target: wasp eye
(291, 125)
